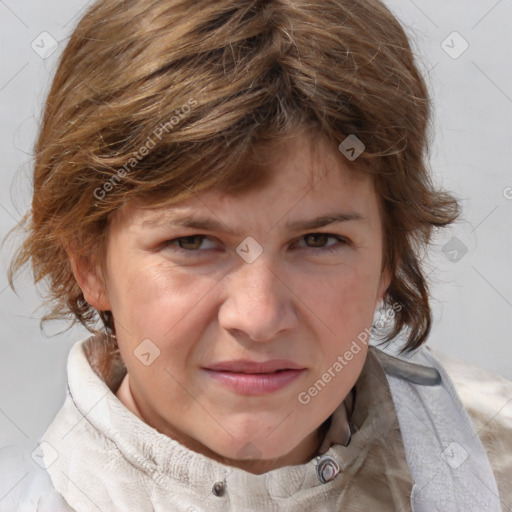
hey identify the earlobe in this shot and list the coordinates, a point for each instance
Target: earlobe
(385, 281)
(90, 279)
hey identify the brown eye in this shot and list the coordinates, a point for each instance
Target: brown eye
(324, 242)
(316, 239)
(190, 243)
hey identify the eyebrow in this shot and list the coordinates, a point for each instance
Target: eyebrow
(207, 224)
(324, 220)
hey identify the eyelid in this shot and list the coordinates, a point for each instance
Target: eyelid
(169, 243)
(339, 238)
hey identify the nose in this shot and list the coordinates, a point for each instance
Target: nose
(258, 304)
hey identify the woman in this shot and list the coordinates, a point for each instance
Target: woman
(234, 189)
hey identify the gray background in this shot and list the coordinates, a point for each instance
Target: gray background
(471, 155)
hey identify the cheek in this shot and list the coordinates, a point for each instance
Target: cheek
(343, 309)
(153, 299)
(344, 296)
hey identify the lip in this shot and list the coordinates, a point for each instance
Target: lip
(246, 366)
(253, 378)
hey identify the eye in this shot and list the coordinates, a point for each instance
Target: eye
(319, 241)
(189, 243)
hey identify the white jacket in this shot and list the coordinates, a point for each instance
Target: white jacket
(96, 455)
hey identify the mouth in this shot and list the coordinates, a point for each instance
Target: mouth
(246, 366)
(252, 378)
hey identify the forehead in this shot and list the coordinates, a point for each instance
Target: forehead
(300, 174)
(310, 158)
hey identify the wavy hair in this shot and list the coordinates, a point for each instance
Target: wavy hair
(154, 100)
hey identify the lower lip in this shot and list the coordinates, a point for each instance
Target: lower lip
(254, 384)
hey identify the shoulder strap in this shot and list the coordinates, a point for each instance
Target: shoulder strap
(446, 458)
(412, 372)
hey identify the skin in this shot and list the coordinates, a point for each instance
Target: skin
(305, 299)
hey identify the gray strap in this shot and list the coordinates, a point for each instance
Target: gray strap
(412, 372)
(447, 460)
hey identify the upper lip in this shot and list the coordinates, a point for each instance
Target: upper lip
(245, 366)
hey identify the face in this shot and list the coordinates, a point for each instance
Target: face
(228, 309)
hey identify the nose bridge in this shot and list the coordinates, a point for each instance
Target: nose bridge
(258, 275)
(256, 289)
(257, 302)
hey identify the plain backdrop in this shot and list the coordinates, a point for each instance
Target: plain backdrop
(464, 48)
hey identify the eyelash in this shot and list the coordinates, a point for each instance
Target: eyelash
(330, 248)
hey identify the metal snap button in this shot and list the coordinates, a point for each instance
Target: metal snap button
(327, 469)
(218, 489)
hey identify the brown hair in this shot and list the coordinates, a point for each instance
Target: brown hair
(155, 100)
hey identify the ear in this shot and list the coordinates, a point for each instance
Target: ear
(385, 281)
(91, 281)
